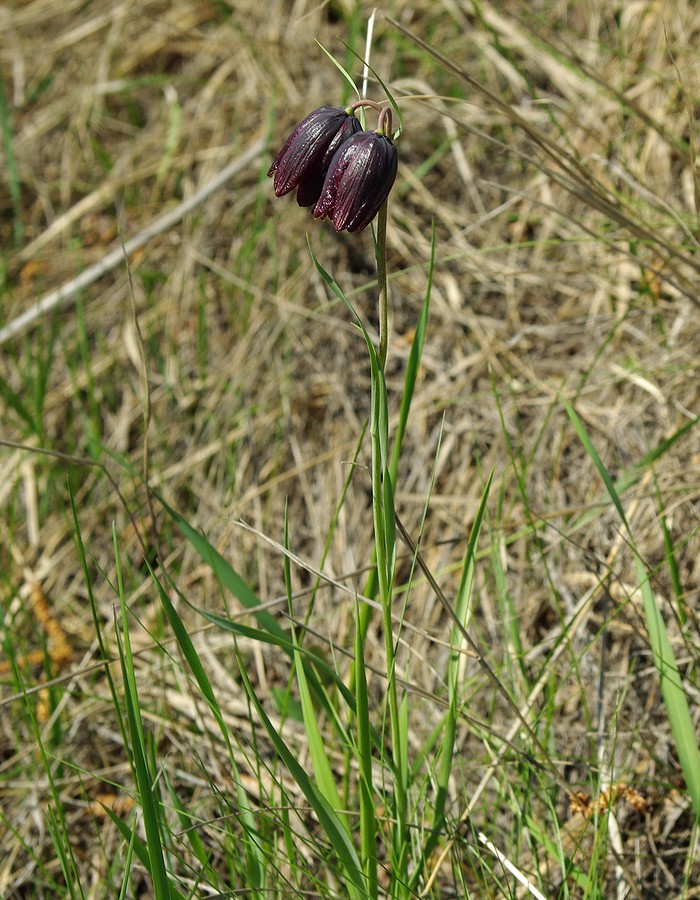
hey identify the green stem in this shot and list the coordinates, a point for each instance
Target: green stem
(383, 515)
(383, 297)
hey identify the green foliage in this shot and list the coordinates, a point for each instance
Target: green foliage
(672, 684)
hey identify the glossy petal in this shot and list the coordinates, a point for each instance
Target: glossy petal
(358, 181)
(303, 161)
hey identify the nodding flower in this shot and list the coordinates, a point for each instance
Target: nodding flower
(358, 180)
(306, 156)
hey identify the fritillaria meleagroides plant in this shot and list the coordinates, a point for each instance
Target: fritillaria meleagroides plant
(346, 174)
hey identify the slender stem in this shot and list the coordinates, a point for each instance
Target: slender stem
(364, 102)
(383, 297)
(383, 514)
(384, 121)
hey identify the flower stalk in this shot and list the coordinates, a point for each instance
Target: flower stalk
(382, 283)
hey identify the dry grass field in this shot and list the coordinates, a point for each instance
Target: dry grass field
(200, 399)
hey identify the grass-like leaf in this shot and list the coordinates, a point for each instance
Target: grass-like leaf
(392, 100)
(461, 615)
(330, 821)
(407, 394)
(672, 689)
(13, 177)
(368, 815)
(384, 518)
(225, 574)
(146, 782)
(323, 771)
(343, 71)
(255, 865)
(631, 475)
(140, 849)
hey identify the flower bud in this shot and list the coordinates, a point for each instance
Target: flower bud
(303, 161)
(358, 181)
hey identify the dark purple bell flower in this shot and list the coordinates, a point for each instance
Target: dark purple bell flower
(358, 181)
(303, 161)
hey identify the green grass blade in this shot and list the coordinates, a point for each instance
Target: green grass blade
(456, 642)
(273, 633)
(343, 71)
(190, 832)
(382, 490)
(368, 815)
(671, 562)
(224, 572)
(413, 365)
(145, 780)
(311, 659)
(14, 401)
(140, 848)
(388, 509)
(319, 758)
(630, 476)
(60, 837)
(316, 744)
(634, 473)
(674, 695)
(255, 863)
(412, 370)
(188, 650)
(329, 820)
(384, 517)
(13, 179)
(96, 617)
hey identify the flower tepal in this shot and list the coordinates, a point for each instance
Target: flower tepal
(358, 181)
(304, 160)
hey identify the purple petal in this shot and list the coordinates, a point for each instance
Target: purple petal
(358, 181)
(304, 157)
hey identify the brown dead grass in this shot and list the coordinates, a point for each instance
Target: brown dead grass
(259, 386)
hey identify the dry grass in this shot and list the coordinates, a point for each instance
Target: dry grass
(567, 238)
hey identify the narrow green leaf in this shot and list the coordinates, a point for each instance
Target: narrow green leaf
(319, 758)
(13, 177)
(671, 562)
(390, 96)
(255, 863)
(328, 818)
(14, 401)
(389, 526)
(190, 832)
(225, 573)
(145, 780)
(413, 365)
(140, 849)
(286, 644)
(630, 476)
(456, 642)
(412, 370)
(672, 690)
(339, 66)
(469, 564)
(368, 815)
(597, 461)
